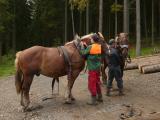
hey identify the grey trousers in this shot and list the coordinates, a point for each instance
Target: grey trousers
(115, 72)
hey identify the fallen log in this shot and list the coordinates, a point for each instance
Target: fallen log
(149, 59)
(131, 66)
(151, 69)
(148, 63)
(145, 59)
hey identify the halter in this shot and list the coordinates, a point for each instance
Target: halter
(122, 46)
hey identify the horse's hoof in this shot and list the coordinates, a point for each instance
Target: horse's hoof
(24, 109)
(66, 102)
(73, 99)
(21, 109)
(22, 103)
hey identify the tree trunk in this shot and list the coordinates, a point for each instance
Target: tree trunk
(109, 26)
(152, 22)
(73, 28)
(65, 31)
(159, 19)
(87, 18)
(138, 29)
(100, 15)
(145, 20)
(80, 23)
(126, 17)
(0, 50)
(14, 30)
(116, 20)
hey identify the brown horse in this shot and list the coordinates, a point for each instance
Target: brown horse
(49, 62)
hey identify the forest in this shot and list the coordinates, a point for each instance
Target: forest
(25, 23)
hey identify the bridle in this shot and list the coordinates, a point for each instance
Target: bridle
(122, 47)
(77, 44)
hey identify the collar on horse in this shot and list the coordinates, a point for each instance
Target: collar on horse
(67, 61)
(67, 58)
(66, 55)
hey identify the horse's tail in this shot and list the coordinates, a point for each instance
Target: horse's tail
(18, 75)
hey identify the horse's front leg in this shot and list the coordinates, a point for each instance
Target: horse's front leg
(69, 96)
(68, 92)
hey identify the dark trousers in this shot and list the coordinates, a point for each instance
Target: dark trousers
(94, 82)
(115, 72)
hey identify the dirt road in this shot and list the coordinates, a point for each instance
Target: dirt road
(142, 97)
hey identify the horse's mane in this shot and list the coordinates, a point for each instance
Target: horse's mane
(86, 36)
(76, 38)
(68, 43)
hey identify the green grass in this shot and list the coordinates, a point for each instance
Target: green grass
(7, 66)
(7, 63)
(145, 51)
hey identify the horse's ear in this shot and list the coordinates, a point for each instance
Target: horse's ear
(117, 35)
(76, 37)
(100, 35)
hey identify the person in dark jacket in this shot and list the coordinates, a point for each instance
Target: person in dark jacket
(93, 53)
(114, 68)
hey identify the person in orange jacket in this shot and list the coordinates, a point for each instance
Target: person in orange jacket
(93, 53)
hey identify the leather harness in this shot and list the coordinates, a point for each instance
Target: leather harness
(67, 58)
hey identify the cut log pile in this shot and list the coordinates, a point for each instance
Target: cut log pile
(148, 64)
(131, 66)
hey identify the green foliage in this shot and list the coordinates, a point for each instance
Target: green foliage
(116, 7)
(47, 22)
(7, 65)
(5, 16)
(79, 4)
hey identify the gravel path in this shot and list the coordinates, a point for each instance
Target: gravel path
(142, 96)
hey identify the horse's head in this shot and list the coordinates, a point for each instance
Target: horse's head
(87, 39)
(77, 42)
(123, 44)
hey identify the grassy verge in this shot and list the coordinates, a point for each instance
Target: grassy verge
(7, 63)
(7, 66)
(145, 51)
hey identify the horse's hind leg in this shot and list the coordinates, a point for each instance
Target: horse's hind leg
(53, 82)
(104, 76)
(25, 90)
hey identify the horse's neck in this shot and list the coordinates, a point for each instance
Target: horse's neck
(68, 43)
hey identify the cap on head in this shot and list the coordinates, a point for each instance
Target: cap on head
(111, 41)
(95, 37)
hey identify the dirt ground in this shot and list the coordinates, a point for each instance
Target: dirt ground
(142, 98)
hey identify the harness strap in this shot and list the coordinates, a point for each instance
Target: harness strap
(77, 46)
(67, 61)
(66, 55)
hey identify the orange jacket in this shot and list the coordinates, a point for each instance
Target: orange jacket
(95, 49)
